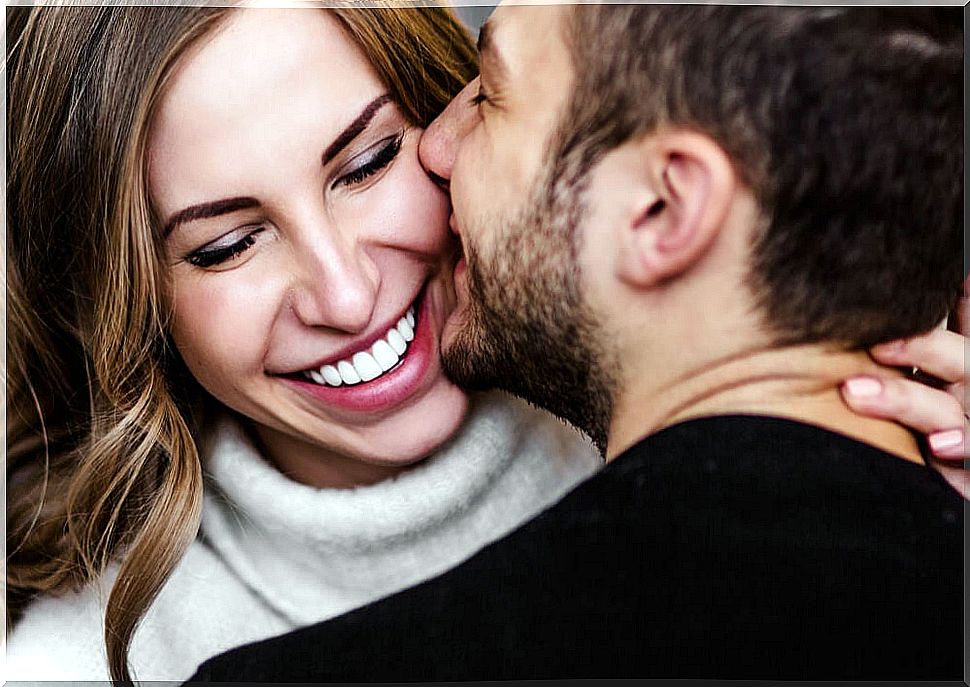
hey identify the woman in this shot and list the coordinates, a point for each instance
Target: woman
(226, 260)
(252, 271)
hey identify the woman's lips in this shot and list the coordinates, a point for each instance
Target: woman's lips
(394, 386)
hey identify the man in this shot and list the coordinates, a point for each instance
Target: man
(723, 208)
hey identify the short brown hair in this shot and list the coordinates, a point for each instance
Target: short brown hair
(846, 123)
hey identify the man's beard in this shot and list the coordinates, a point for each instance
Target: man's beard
(527, 328)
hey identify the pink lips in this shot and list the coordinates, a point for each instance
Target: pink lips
(390, 389)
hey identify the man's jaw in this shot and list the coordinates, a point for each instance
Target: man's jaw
(488, 345)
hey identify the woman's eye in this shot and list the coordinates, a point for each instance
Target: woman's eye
(221, 251)
(372, 162)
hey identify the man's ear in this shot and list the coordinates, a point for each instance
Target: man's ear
(682, 201)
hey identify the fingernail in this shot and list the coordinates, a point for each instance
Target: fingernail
(946, 440)
(891, 347)
(863, 387)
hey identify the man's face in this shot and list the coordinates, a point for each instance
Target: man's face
(522, 322)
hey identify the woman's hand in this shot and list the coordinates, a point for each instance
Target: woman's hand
(934, 401)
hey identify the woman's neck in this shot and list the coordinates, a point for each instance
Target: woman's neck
(316, 466)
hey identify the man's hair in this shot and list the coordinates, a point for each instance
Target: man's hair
(846, 124)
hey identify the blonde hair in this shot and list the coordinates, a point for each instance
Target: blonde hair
(102, 417)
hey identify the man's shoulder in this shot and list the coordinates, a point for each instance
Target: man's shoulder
(772, 453)
(750, 479)
(758, 482)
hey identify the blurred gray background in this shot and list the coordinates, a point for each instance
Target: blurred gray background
(474, 15)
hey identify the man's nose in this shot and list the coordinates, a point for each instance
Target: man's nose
(440, 142)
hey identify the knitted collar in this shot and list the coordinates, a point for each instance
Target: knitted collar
(366, 516)
(313, 552)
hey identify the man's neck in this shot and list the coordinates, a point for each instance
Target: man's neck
(799, 383)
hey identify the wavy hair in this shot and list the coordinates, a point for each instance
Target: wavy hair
(103, 421)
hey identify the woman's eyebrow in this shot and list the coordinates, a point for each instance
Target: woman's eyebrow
(206, 210)
(228, 205)
(355, 127)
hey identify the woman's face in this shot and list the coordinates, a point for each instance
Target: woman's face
(304, 238)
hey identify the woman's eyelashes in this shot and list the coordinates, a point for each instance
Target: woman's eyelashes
(224, 249)
(237, 242)
(372, 161)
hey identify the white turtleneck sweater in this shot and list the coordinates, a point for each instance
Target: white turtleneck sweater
(273, 554)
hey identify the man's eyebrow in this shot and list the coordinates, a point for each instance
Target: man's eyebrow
(487, 49)
(485, 37)
(355, 127)
(206, 210)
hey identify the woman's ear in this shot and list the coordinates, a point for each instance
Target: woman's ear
(684, 199)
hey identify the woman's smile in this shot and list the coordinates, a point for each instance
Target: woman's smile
(311, 256)
(373, 359)
(382, 371)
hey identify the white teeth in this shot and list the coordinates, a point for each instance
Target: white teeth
(398, 344)
(384, 355)
(366, 366)
(330, 375)
(405, 329)
(347, 373)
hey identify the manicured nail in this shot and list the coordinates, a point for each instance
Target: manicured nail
(946, 440)
(863, 387)
(891, 348)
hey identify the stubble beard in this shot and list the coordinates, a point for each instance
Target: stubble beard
(527, 329)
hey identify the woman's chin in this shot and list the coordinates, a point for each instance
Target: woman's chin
(410, 437)
(368, 454)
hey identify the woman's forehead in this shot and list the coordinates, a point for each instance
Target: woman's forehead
(268, 85)
(264, 53)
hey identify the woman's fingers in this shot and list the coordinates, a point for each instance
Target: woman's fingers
(940, 353)
(932, 412)
(958, 477)
(941, 414)
(949, 444)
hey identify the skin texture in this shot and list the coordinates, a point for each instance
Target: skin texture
(498, 131)
(327, 258)
(519, 231)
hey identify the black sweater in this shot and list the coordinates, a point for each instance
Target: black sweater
(733, 547)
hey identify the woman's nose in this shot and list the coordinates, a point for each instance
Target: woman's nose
(336, 287)
(439, 143)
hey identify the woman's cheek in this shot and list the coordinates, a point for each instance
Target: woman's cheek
(408, 208)
(222, 329)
